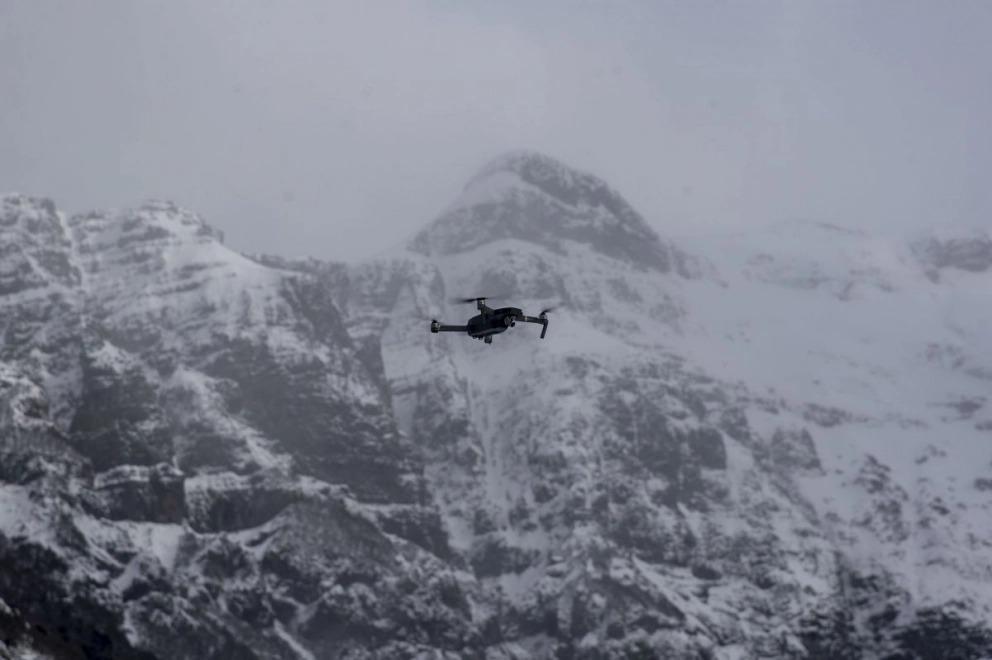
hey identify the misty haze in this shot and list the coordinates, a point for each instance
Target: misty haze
(502, 331)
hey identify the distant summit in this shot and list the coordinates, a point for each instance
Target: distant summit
(564, 184)
(529, 196)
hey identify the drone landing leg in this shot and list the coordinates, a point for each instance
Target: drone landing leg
(536, 319)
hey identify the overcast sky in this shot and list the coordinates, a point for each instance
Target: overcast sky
(337, 129)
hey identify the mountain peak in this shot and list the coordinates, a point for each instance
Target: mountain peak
(537, 169)
(557, 180)
(526, 195)
(154, 219)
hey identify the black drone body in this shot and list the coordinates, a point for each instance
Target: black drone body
(489, 321)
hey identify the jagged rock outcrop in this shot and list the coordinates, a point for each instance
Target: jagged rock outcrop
(962, 250)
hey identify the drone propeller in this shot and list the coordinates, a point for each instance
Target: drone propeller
(477, 298)
(549, 309)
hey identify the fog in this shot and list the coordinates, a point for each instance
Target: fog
(336, 130)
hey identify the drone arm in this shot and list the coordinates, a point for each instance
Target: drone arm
(535, 319)
(438, 327)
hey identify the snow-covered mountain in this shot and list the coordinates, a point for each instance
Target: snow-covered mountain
(768, 445)
(197, 460)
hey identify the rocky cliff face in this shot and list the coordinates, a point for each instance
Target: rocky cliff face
(196, 460)
(770, 446)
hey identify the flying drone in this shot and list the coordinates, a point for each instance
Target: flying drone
(489, 321)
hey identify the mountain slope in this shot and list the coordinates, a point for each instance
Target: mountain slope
(191, 447)
(758, 455)
(767, 445)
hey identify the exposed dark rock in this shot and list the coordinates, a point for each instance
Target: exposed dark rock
(118, 421)
(333, 438)
(493, 557)
(793, 451)
(227, 502)
(942, 634)
(967, 252)
(134, 492)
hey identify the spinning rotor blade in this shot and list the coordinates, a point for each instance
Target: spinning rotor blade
(477, 298)
(549, 309)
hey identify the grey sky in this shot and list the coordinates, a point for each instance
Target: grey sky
(337, 129)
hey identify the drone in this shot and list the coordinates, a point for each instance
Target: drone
(489, 321)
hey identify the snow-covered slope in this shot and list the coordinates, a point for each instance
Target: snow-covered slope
(778, 449)
(767, 445)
